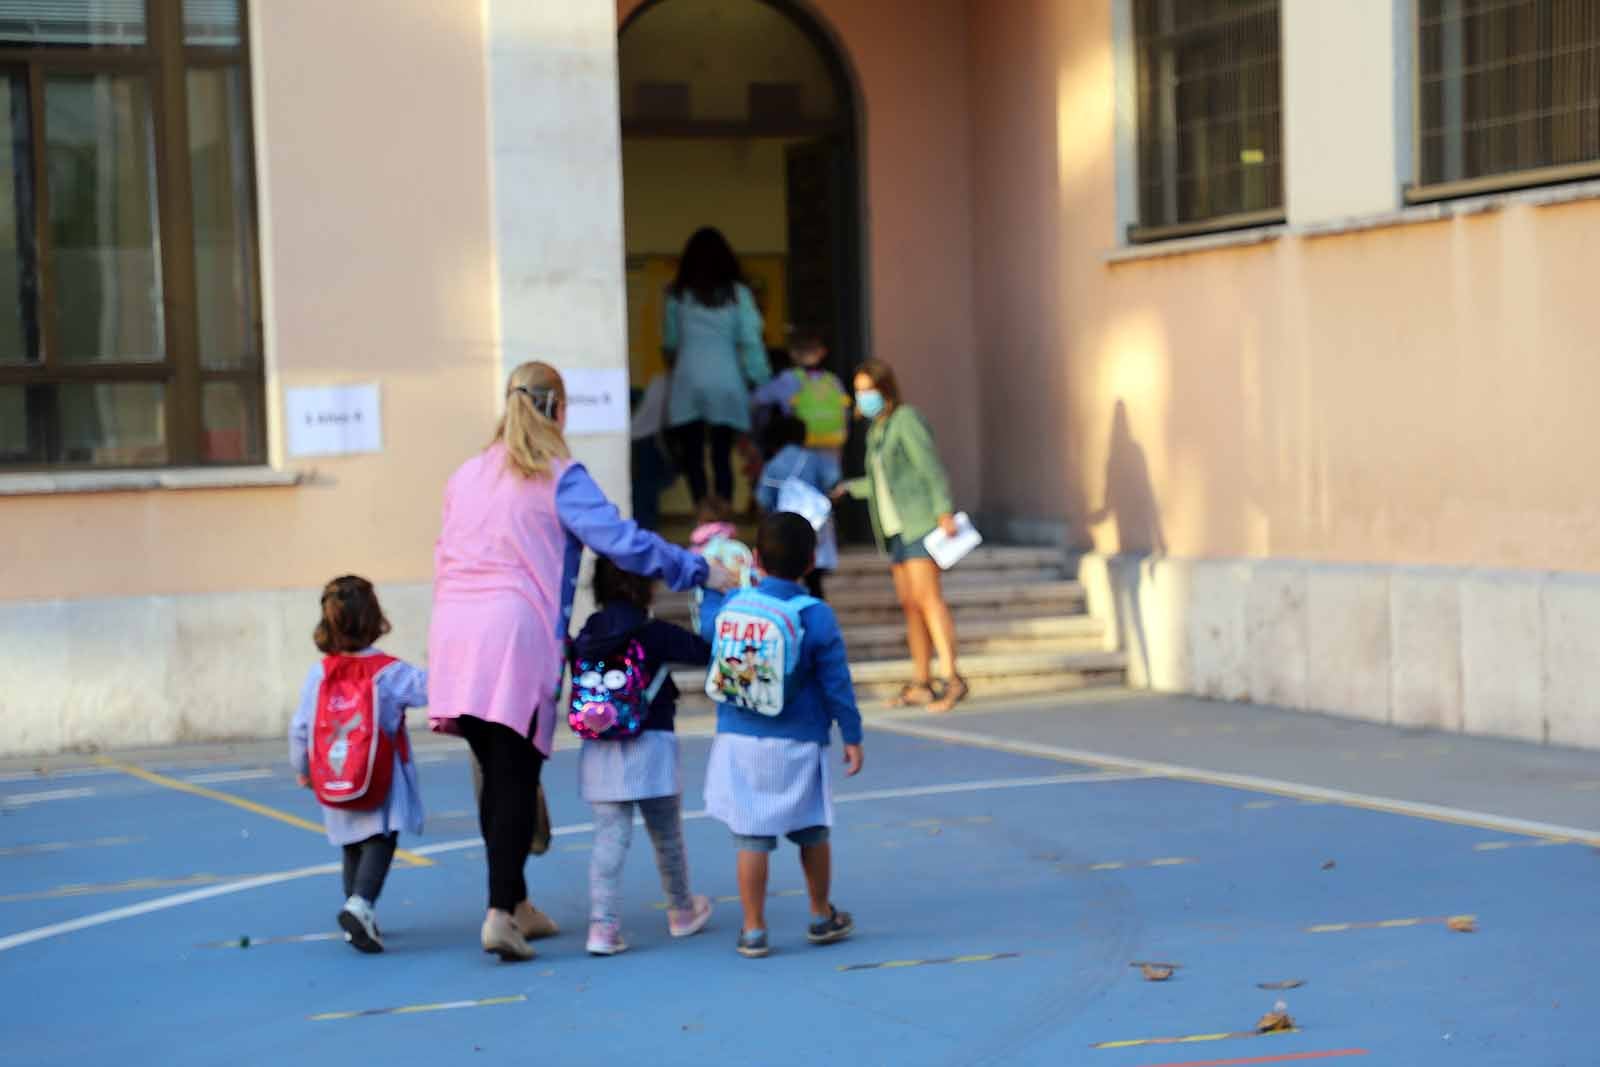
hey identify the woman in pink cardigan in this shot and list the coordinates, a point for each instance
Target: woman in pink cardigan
(516, 519)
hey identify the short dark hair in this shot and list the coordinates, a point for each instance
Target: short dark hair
(352, 619)
(807, 335)
(613, 584)
(787, 545)
(782, 429)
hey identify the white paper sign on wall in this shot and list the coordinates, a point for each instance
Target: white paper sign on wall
(335, 420)
(597, 400)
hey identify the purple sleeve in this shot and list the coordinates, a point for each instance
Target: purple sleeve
(591, 518)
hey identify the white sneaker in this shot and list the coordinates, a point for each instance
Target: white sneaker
(360, 925)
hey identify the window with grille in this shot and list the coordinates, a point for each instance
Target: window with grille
(1508, 93)
(1210, 138)
(129, 308)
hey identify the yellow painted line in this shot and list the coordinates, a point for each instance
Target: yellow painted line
(1189, 1039)
(130, 886)
(661, 905)
(239, 802)
(1384, 924)
(986, 957)
(1545, 842)
(1123, 865)
(417, 1009)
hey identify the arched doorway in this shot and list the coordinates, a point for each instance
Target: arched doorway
(741, 114)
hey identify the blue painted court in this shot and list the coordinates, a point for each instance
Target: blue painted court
(1000, 897)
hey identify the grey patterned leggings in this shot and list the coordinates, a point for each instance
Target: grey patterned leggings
(613, 831)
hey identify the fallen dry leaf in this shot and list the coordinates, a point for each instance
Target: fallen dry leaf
(1274, 1020)
(1155, 973)
(1463, 924)
(1330, 865)
(1287, 983)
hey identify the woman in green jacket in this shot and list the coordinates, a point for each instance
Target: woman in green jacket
(908, 495)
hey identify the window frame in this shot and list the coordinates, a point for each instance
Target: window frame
(1137, 231)
(1416, 191)
(165, 61)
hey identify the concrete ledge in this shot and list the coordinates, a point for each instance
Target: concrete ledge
(43, 483)
(1491, 653)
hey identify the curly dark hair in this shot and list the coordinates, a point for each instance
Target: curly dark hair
(612, 583)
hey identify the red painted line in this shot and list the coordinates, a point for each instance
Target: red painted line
(1286, 1058)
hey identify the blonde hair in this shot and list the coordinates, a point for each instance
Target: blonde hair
(531, 427)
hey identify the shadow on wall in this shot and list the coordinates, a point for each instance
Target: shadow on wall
(1130, 505)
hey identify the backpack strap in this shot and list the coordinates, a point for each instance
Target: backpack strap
(655, 685)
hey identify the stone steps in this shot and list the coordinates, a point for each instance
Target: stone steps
(968, 601)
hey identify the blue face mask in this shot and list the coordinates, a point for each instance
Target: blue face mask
(870, 403)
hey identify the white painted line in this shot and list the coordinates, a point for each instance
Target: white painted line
(18, 800)
(1317, 794)
(846, 798)
(46, 776)
(218, 777)
(40, 933)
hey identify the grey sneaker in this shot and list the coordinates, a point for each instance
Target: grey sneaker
(836, 927)
(753, 944)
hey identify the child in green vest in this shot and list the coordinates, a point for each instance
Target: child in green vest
(814, 395)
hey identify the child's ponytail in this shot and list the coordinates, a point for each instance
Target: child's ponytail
(531, 426)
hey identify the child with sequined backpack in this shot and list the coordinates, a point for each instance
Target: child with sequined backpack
(623, 706)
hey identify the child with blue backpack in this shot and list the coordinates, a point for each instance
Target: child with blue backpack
(623, 705)
(781, 678)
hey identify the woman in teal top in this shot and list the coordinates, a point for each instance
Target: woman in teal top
(712, 339)
(908, 495)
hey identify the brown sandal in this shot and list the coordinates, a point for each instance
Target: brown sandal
(909, 697)
(955, 691)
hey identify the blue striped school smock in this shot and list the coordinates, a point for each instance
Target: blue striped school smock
(763, 786)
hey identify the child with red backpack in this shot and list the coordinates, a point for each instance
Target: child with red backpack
(348, 743)
(623, 705)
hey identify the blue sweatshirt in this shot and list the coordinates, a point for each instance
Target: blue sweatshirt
(610, 628)
(818, 694)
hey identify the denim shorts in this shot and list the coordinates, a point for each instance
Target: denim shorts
(811, 835)
(903, 551)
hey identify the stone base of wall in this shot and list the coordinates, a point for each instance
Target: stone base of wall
(1494, 653)
(89, 675)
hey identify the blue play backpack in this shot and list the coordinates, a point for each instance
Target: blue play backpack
(755, 647)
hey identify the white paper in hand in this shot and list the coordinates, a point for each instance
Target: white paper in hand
(947, 551)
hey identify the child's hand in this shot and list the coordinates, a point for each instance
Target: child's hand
(303, 781)
(853, 758)
(720, 578)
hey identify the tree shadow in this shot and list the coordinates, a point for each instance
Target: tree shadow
(1130, 505)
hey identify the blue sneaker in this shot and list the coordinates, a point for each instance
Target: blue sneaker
(753, 944)
(836, 927)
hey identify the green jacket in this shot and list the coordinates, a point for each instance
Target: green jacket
(917, 480)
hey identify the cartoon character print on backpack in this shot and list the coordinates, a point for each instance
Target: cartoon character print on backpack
(755, 647)
(611, 694)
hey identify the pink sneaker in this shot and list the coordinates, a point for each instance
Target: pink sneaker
(605, 939)
(686, 922)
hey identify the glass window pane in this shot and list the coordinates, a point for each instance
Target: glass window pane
(19, 278)
(211, 23)
(224, 234)
(230, 423)
(111, 424)
(103, 219)
(80, 22)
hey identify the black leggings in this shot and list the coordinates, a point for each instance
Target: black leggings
(366, 865)
(506, 810)
(691, 447)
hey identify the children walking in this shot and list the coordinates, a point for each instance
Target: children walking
(348, 743)
(623, 706)
(781, 679)
(811, 393)
(788, 458)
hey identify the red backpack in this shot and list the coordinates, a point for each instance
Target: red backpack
(352, 759)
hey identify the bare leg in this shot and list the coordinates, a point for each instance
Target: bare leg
(928, 591)
(917, 637)
(817, 862)
(753, 889)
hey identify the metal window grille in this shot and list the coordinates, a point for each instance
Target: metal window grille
(1508, 93)
(1210, 132)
